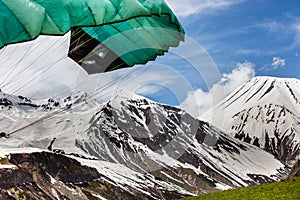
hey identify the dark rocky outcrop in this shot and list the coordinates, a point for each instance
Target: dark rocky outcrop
(44, 175)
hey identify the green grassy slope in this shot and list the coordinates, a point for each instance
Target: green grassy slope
(289, 189)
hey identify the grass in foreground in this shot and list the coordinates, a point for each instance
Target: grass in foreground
(289, 189)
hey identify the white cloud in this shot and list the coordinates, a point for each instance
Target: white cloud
(278, 62)
(199, 101)
(286, 29)
(296, 28)
(191, 7)
(271, 26)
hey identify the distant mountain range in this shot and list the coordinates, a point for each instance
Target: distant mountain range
(129, 147)
(265, 112)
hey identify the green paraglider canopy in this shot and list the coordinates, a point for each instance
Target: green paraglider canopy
(105, 34)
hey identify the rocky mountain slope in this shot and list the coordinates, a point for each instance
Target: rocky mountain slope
(44, 175)
(265, 112)
(129, 145)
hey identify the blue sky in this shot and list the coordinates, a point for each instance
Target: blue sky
(227, 43)
(265, 34)
(254, 30)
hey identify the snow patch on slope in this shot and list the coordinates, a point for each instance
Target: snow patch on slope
(262, 110)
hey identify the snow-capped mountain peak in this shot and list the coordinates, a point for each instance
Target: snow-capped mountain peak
(265, 111)
(127, 94)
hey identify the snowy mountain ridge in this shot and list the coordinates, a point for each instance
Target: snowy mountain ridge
(156, 151)
(265, 112)
(8, 101)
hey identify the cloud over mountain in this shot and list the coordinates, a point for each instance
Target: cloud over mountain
(199, 101)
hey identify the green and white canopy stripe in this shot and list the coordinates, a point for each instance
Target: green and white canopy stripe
(135, 25)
